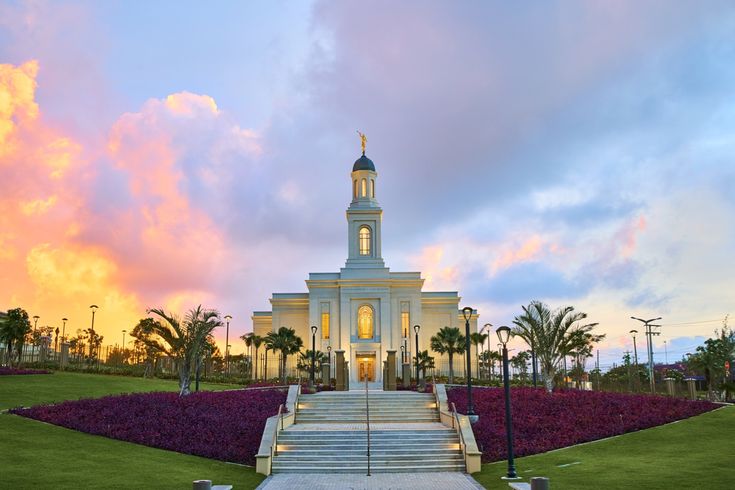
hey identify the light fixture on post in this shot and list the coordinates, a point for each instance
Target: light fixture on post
(227, 345)
(313, 353)
(123, 346)
(63, 329)
(416, 329)
(504, 335)
(486, 326)
(33, 344)
(92, 336)
(635, 348)
(329, 364)
(403, 354)
(467, 314)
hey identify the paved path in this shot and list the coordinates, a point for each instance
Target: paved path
(380, 481)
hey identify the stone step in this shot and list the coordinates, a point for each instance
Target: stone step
(309, 468)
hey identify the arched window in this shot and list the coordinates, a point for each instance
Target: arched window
(364, 188)
(354, 191)
(364, 236)
(365, 322)
(372, 188)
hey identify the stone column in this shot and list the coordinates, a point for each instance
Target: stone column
(406, 375)
(340, 368)
(347, 375)
(692, 385)
(64, 359)
(385, 375)
(390, 384)
(325, 374)
(670, 386)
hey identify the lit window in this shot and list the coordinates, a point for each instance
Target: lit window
(364, 240)
(405, 322)
(372, 188)
(364, 188)
(325, 324)
(365, 322)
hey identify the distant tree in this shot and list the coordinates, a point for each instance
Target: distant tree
(286, 342)
(303, 362)
(477, 339)
(14, 328)
(423, 362)
(711, 357)
(181, 339)
(520, 364)
(449, 341)
(555, 334)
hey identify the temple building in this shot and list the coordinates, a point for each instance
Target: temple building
(365, 309)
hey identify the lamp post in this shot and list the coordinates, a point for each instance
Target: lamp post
(313, 353)
(467, 314)
(416, 329)
(403, 354)
(504, 335)
(329, 363)
(33, 340)
(123, 346)
(635, 347)
(91, 340)
(488, 326)
(227, 344)
(63, 329)
(405, 349)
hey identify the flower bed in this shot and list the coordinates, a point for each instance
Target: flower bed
(225, 425)
(8, 371)
(542, 421)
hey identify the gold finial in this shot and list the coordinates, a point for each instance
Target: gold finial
(363, 141)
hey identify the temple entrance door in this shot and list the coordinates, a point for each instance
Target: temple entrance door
(366, 365)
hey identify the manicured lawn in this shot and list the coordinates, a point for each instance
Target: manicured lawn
(39, 455)
(29, 390)
(691, 454)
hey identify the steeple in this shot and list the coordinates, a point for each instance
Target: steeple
(364, 216)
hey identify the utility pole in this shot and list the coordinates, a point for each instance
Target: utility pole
(649, 342)
(598, 369)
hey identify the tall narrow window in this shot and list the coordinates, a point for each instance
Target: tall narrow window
(364, 188)
(405, 319)
(365, 322)
(372, 188)
(354, 191)
(325, 320)
(364, 236)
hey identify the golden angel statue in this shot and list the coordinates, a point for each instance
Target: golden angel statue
(363, 140)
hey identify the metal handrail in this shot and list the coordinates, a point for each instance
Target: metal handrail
(280, 420)
(367, 418)
(458, 427)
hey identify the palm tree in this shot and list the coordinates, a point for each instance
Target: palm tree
(182, 340)
(520, 363)
(303, 363)
(448, 341)
(248, 339)
(477, 339)
(552, 334)
(14, 328)
(423, 362)
(287, 342)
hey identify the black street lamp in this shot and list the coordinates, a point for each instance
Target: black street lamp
(313, 353)
(487, 360)
(227, 345)
(504, 336)
(405, 349)
(403, 354)
(635, 347)
(92, 337)
(467, 314)
(416, 329)
(329, 363)
(63, 329)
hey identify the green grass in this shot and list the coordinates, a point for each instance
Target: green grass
(39, 455)
(33, 389)
(695, 453)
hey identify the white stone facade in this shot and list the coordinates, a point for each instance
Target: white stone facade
(340, 304)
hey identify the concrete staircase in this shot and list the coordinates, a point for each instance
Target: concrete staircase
(330, 436)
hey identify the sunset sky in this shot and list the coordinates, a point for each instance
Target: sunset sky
(176, 153)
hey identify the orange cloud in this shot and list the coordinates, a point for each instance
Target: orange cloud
(527, 251)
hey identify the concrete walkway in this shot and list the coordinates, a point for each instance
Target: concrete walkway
(380, 481)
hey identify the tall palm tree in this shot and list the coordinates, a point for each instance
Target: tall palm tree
(477, 339)
(14, 328)
(287, 342)
(257, 341)
(448, 341)
(553, 334)
(248, 339)
(182, 339)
